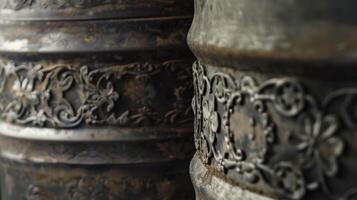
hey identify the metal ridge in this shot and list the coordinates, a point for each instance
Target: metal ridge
(87, 10)
(94, 36)
(94, 134)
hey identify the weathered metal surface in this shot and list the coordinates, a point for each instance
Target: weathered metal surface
(95, 100)
(210, 186)
(275, 99)
(92, 9)
(60, 182)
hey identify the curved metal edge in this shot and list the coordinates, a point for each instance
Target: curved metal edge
(210, 187)
(102, 9)
(321, 31)
(55, 182)
(94, 36)
(95, 134)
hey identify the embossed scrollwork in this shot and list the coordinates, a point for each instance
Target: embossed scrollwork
(249, 140)
(39, 95)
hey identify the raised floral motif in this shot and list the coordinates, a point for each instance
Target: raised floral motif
(289, 180)
(235, 127)
(66, 96)
(318, 144)
(36, 193)
(88, 188)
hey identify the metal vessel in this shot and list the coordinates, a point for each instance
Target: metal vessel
(95, 99)
(275, 99)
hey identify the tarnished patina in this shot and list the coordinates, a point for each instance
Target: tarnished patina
(95, 99)
(275, 90)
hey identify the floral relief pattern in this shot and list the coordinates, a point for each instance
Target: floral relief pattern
(96, 188)
(66, 96)
(88, 188)
(239, 130)
(319, 144)
(36, 193)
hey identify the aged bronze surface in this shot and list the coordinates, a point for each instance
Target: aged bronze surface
(95, 99)
(92, 9)
(275, 99)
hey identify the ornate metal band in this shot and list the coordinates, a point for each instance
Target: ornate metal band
(95, 99)
(96, 126)
(272, 135)
(39, 182)
(91, 9)
(68, 95)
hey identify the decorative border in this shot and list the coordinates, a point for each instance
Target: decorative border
(50, 182)
(64, 96)
(273, 133)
